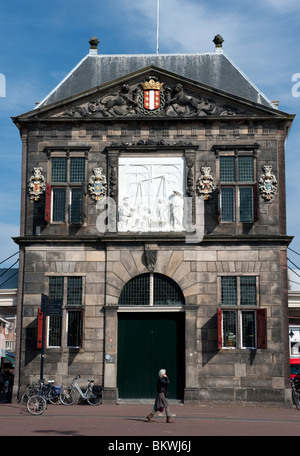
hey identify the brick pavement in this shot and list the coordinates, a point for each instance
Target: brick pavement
(129, 420)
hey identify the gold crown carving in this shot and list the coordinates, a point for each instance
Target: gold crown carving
(151, 84)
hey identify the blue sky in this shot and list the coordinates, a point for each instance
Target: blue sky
(41, 42)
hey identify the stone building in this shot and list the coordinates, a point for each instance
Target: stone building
(153, 220)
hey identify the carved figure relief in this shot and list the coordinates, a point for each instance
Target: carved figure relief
(267, 183)
(151, 97)
(36, 184)
(205, 184)
(151, 194)
(150, 257)
(97, 185)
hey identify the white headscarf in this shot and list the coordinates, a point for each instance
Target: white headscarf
(161, 372)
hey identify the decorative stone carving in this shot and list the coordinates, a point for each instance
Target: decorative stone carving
(150, 257)
(97, 185)
(36, 184)
(151, 194)
(205, 184)
(151, 97)
(267, 183)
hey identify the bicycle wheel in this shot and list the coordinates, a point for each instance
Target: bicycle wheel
(68, 396)
(296, 399)
(54, 398)
(36, 405)
(93, 399)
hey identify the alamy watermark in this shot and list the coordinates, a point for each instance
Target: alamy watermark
(296, 87)
(191, 223)
(2, 85)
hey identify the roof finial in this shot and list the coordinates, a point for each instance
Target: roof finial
(93, 45)
(218, 40)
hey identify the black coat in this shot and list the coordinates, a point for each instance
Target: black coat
(162, 385)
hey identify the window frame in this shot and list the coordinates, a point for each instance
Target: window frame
(68, 186)
(237, 184)
(66, 309)
(240, 310)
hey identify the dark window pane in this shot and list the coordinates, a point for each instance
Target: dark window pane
(227, 169)
(248, 290)
(59, 205)
(166, 292)
(136, 292)
(74, 328)
(59, 169)
(76, 205)
(246, 173)
(229, 328)
(227, 204)
(74, 293)
(77, 169)
(248, 329)
(56, 288)
(229, 291)
(246, 204)
(54, 331)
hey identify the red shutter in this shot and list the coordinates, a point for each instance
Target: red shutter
(40, 329)
(261, 328)
(256, 202)
(220, 338)
(48, 204)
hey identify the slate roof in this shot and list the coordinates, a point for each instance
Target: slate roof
(213, 69)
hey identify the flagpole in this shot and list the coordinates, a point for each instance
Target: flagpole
(157, 26)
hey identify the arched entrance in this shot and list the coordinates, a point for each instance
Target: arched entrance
(151, 336)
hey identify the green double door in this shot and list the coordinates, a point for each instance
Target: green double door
(148, 342)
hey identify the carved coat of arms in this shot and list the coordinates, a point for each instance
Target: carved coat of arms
(268, 183)
(36, 184)
(97, 185)
(152, 94)
(205, 183)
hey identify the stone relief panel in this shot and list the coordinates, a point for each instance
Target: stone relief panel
(152, 98)
(151, 194)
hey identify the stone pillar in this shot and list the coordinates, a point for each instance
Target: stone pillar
(110, 392)
(191, 354)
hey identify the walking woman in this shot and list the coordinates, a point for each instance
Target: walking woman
(161, 400)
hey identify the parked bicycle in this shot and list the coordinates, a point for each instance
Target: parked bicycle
(295, 383)
(50, 391)
(70, 394)
(37, 402)
(31, 390)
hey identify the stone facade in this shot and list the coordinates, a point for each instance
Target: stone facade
(107, 261)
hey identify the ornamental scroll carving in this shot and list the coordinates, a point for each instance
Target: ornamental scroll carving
(151, 98)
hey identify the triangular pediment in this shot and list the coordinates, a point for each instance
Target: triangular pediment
(151, 93)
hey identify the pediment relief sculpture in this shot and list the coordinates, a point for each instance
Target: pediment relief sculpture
(36, 184)
(151, 98)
